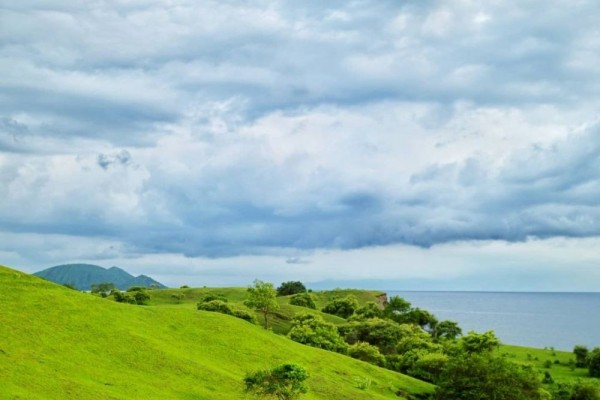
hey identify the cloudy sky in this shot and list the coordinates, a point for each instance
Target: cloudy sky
(392, 144)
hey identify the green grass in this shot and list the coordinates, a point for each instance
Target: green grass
(56, 343)
(280, 321)
(560, 368)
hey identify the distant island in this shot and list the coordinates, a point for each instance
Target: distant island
(83, 276)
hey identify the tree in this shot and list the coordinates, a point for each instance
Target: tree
(581, 353)
(291, 287)
(103, 289)
(593, 362)
(342, 307)
(585, 390)
(483, 377)
(446, 330)
(285, 382)
(369, 310)
(303, 300)
(313, 331)
(382, 333)
(475, 342)
(261, 297)
(396, 308)
(366, 352)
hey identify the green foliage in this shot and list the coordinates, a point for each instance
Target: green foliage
(177, 297)
(214, 296)
(245, 315)
(136, 289)
(585, 390)
(136, 297)
(215, 306)
(303, 300)
(593, 362)
(384, 334)
(369, 310)
(103, 289)
(484, 377)
(446, 330)
(475, 342)
(313, 331)
(342, 307)
(428, 366)
(396, 308)
(58, 344)
(285, 382)
(366, 352)
(261, 297)
(291, 287)
(581, 353)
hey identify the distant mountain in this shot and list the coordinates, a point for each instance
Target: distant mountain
(82, 276)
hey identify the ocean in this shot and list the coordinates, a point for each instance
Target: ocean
(559, 320)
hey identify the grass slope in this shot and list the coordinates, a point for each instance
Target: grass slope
(56, 343)
(280, 321)
(560, 368)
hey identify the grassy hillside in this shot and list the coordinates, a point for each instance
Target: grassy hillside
(280, 322)
(554, 361)
(56, 343)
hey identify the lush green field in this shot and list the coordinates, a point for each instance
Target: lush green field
(280, 321)
(56, 343)
(557, 363)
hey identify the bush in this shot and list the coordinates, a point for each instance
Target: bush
(291, 287)
(140, 298)
(483, 377)
(245, 315)
(211, 297)
(215, 306)
(285, 382)
(369, 310)
(593, 362)
(366, 352)
(581, 353)
(303, 300)
(313, 331)
(343, 307)
(384, 334)
(585, 390)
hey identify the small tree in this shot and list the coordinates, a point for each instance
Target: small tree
(343, 307)
(366, 352)
(313, 331)
(585, 390)
(475, 342)
(593, 362)
(446, 330)
(103, 289)
(369, 310)
(291, 287)
(303, 300)
(285, 382)
(581, 353)
(396, 308)
(261, 297)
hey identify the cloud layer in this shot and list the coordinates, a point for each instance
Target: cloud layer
(220, 129)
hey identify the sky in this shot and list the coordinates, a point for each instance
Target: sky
(414, 145)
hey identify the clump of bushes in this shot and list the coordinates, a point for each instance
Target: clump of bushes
(284, 382)
(303, 300)
(342, 307)
(291, 287)
(134, 295)
(222, 307)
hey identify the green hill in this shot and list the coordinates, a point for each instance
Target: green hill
(56, 343)
(82, 276)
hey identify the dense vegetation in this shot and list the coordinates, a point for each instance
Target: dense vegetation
(56, 343)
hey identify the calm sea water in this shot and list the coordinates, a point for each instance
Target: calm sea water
(559, 320)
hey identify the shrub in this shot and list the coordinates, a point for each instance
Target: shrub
(343, 307)
(215, 306)
(122, 297)
(245, 315)
(593, 362)
(211, 297)
(285, 382)
(369, 310)
(303, 300)
(313, 331)
(291, 287)
(366, 352)
(581, 353)
(585, 390)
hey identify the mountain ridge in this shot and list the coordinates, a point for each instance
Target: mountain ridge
(82, 276)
